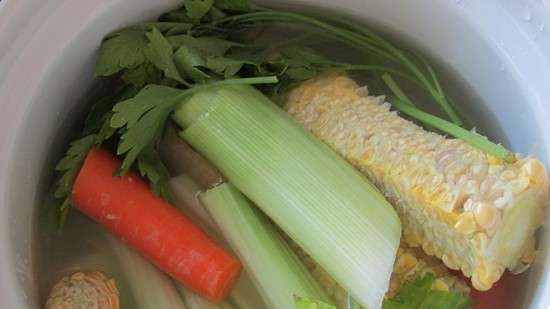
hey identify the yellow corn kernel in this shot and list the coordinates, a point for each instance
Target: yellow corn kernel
(470, 209)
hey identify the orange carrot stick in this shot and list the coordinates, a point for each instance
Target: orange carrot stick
(126, 207)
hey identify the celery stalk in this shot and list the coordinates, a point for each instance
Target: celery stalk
(276, 270)
(194, 301)
(185, 192)
(186, 197)
(332, 211)
(151, 288)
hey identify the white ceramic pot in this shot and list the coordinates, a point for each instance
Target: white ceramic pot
(501, 48)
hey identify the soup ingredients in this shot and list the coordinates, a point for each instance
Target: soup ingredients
(185, 192)
(276, 270)
(314, 196)
(417, 294)
(84, 290)
(180, 158)
(127, 208)
(151, 288)
(154, 65)
(410, 264)
(475, 212)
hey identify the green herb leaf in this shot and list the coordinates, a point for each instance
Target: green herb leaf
(187, 60)
(96, 116)
(226, 66)
(142, 117)
(169, 28)
(208, 46)
(196, 9)
(178, 16)
(159, 52)
(214, 14)
(234, 5)
(419, 295)
(150, 165)
(70, 164)
(308, 303)
(145, 73)
(124, 49)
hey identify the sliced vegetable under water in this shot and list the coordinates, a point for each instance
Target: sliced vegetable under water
(317, 198)
(275, 269)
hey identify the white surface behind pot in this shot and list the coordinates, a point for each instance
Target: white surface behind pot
(47, 51)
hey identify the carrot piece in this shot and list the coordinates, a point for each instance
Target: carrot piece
(503, 294)
(126, 207)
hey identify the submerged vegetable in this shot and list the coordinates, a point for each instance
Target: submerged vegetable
(419, 295)
(310, 303)
(475, 212)
(86, 290)
(410, 264)
(328, 208)
(194, 301)
(127, 208)
(151, 288)
(275, 269)
(185, 191)
(319, 200)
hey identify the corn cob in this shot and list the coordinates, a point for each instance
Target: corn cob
(410, 264)
(475, 212)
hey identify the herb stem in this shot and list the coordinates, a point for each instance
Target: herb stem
(278, 16)
(390, 82)
(474, 139)
(360, 37)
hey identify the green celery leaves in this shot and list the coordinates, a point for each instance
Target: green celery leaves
(196, 9)
(419, 295)
(123, 50)
(159, 52)
(142, 118)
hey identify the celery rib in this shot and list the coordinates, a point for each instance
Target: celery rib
(318, 199)
(277, 272)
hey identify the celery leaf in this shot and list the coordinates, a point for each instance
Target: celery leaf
(206, 45)
(159, 52)
(70, 164)
(151, 166)
(142, 118)
(227, 67)
(145, 73)
(124, 49)
(196, 9)
(419, 295)
(234, 5)
(187, 60)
